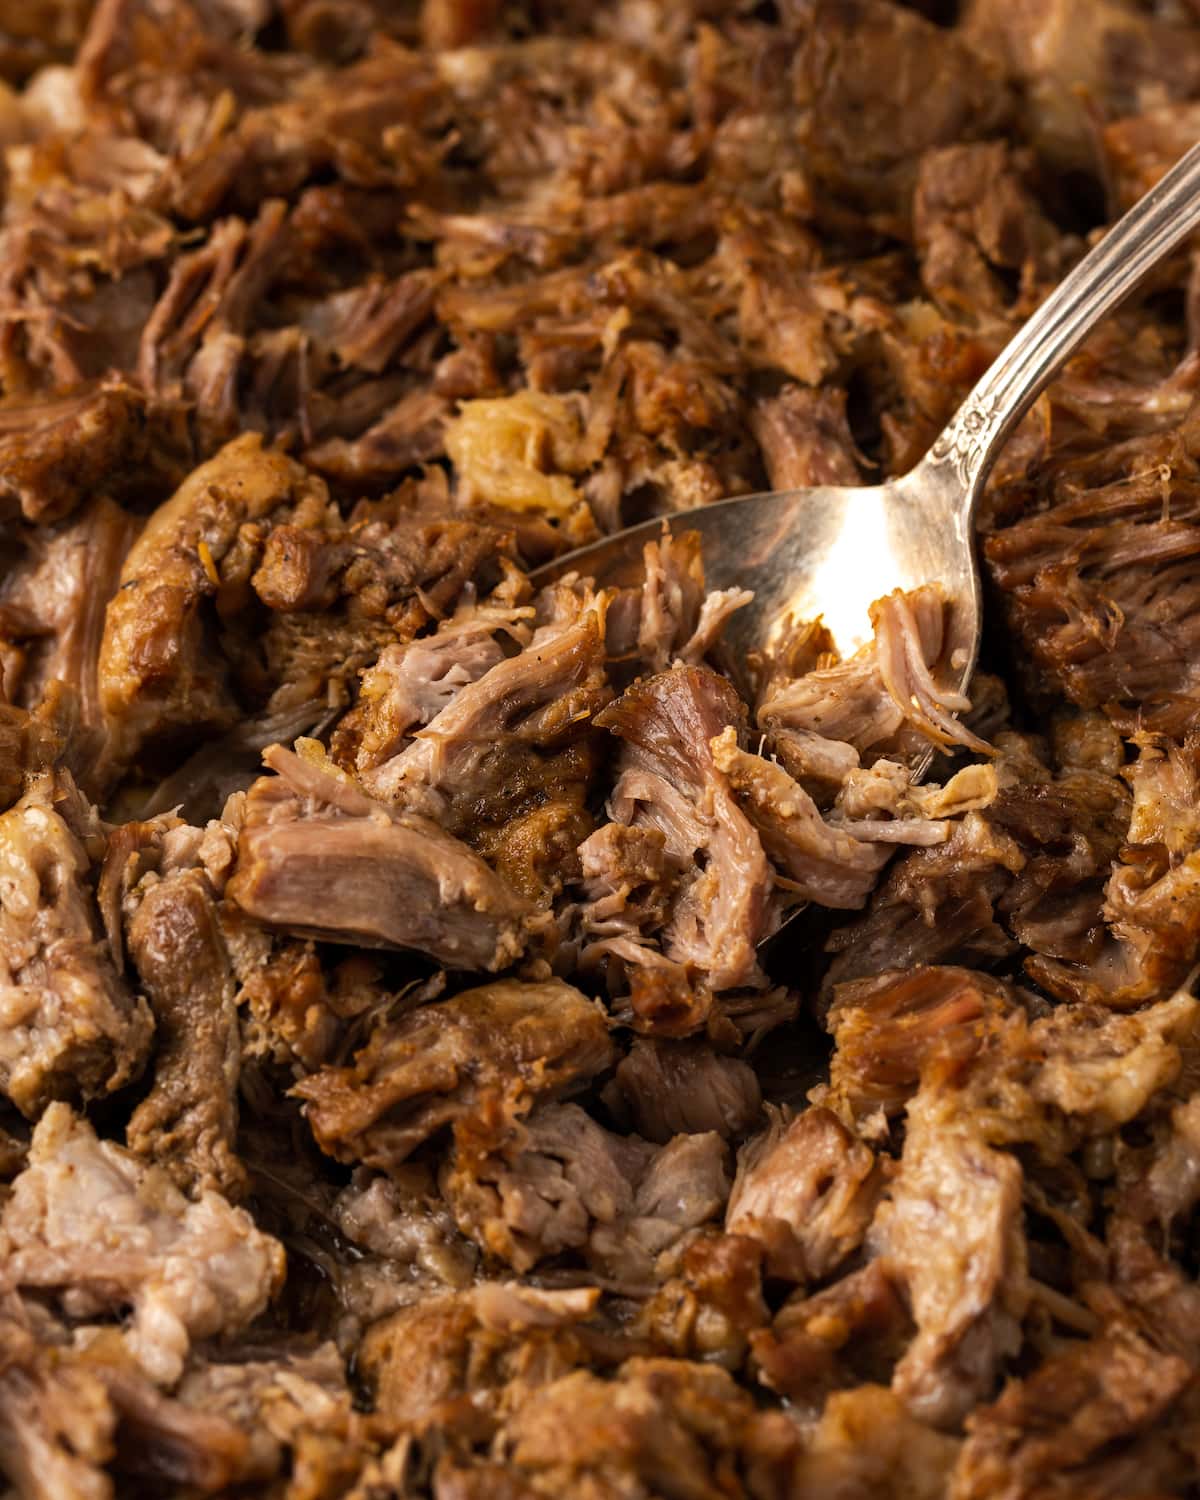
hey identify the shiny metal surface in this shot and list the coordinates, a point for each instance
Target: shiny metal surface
(833, 551)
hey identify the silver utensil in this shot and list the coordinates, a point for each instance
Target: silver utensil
(831, 551)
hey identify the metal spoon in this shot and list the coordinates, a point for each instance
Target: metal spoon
(832, 551)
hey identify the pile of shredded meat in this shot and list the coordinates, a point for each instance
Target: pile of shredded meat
(411, 1084)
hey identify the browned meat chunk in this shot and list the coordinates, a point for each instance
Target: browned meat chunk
(157, 674)
(674, 1087)
(806, 1190)
(483, 1350)
(69, 1025)
(497, 1048)
(669, 781)
(56, 1421)
(950, 1232)
(55, 454)
(854, 1330)
(660, 1427)
(878, 85)
(805, 438)
(1068, 1418)
(507, 762)
(188, 1121)
(88, 1220)
(563, 1183)
(52, 610)
(316, 856)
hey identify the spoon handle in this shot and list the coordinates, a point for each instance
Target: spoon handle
(1103, 278)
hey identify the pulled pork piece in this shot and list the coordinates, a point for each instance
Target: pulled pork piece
(507, 763)
(1098, 579)
(670, 1088)
(157, 674)
(188, 1121)
(712, 1302)
(1152, 897)
(488, 1052)
(887, 1030)
(52, 608)
(869, 1447)
(88, 1220)
(806, 1190)
(457, 1360)
(661, 1426)
(293, 1414)
(885, 689)
(316, 856)
(70, 1027)
(821, 863)
(56, 1421)
(562, 1182)
(410, 684)
(950, 1232)
(854, 1330)
(1066, 1420)
(671, 618)
(668, 780)
(805, 438)
(59, 451)
(1030, 868)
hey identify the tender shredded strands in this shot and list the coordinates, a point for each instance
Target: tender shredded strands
(406, 1089)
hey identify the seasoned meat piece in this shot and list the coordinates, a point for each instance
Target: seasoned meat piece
(52, 607)
(495, 1049)
(515, 743)
(670, 1088)
(485, 1350)
(671, 617)
(670, 1427)
(156, 673)
(854, 1330)
(974, 220)
(1031, 868)
(684, 1186)
(888, 1029)
(950, 1232)
(410, 684)
(1071, 1415)
(1063, 52)
(626, 888)
(562, 1182)
(668, 780)
(821, 863)
(806, 1190)
(867, 1444)
(288, 1411)
(711, 1304)
(188, 1121)
(317, 857)
(56, 1421)
(1152, 897)
(57, 452)
(805, 438)
(1098, 583)
(70, 1025)
(869, 699)
(88, 1220)
(548, 1188)
(878, 85)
